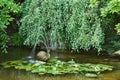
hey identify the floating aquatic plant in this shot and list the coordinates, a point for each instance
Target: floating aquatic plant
(55, 66)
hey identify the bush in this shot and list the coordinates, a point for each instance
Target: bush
(6, 7)
(112, 10)
(112, 7)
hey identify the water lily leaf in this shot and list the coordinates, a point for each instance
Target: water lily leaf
(40, 73)
(20, 67)
(52, 60)
(54, 66)
(6, 64)
(55, 72)
(38, 63)
(91, 75)
(28, 67)
(35, 71)
(71, 62)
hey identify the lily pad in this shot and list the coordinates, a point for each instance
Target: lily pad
(91, 75)
(55, 67)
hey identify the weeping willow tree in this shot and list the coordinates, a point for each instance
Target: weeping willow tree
(75, 23)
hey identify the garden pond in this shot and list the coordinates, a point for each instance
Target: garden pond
(65, 56)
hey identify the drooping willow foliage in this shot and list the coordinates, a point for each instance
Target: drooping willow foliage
(74, 23)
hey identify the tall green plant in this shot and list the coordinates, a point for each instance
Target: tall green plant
(111, 10)
(112, 7)
(6, 7)
(76, 23)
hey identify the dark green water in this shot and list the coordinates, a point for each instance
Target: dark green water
(18, 53)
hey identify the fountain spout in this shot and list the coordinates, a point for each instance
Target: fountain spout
(32, 54)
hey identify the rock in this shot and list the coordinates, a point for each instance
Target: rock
(43, 56)
(117, 53)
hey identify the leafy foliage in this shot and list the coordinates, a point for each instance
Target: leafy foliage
(118, 27)
(17, 40)
(6, 7)
(112, 45)
(112, 7)
(75, 23)
(3, 41)
(55, 67)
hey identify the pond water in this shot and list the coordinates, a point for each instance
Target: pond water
(18, 53)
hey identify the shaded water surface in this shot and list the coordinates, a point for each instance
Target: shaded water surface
(18, 53)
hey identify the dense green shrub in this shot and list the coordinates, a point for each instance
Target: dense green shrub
(112, 11)
(112, 7)
(3, 41)
(6, 7)
(75, 23)
(17, 40)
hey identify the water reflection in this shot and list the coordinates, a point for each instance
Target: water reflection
(12, 74)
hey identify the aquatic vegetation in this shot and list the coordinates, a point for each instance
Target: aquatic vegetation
(55, 67)
(91, 75)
